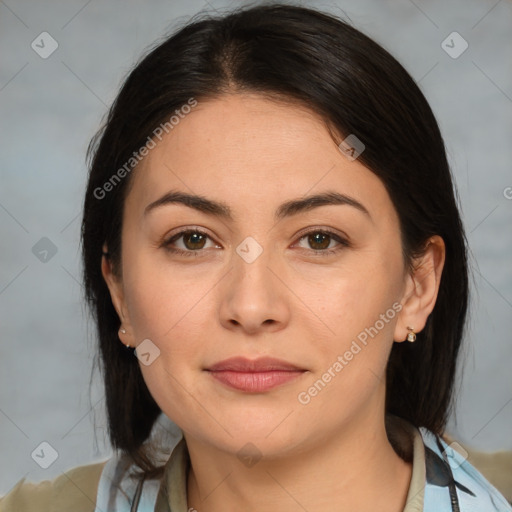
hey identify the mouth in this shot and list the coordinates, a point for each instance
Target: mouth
(254, 376)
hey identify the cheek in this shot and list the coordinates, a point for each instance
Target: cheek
(352, 298)
(352, 359)
(359, 304)
(162, 300)
(166, 307)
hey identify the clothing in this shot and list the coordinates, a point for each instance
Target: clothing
(452, 483)
(495, 466)
(73, 491)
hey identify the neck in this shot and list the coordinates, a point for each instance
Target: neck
(354, 469)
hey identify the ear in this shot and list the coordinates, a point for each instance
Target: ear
(421, 289)
(115, 286)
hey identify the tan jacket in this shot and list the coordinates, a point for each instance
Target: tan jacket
(73, 491)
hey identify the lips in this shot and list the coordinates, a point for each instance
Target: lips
(256, 375)
(263, 364)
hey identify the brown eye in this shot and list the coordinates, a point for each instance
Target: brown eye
(319, 240)
(194, 240)
(189, 242)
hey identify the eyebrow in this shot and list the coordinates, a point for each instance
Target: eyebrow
(287, 209)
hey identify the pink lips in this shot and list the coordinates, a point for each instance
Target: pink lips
(256, 375)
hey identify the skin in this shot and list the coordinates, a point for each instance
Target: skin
(290, 303)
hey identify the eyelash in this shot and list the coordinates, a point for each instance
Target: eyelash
(321, 252)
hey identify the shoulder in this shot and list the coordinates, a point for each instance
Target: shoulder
(74, 489)
(496, 467)
(447, 467)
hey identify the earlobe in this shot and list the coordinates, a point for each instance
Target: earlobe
(420, 290)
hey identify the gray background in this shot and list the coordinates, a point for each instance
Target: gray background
(50, 108)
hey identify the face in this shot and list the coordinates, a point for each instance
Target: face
(320, 288)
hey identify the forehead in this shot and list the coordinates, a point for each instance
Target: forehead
(251, 151)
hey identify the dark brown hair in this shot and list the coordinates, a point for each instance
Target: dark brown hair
(357, 87)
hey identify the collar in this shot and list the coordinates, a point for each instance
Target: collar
(442, 479)
(172, 496)
(407, 439)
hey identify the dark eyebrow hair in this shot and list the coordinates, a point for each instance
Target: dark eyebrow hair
(286, 209)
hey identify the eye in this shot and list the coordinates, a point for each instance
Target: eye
(320, 241)
(192, 243)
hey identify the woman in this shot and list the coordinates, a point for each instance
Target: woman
(270, 227)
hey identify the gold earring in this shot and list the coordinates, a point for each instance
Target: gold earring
(412, 335)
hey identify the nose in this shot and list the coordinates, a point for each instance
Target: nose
(253, 297)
